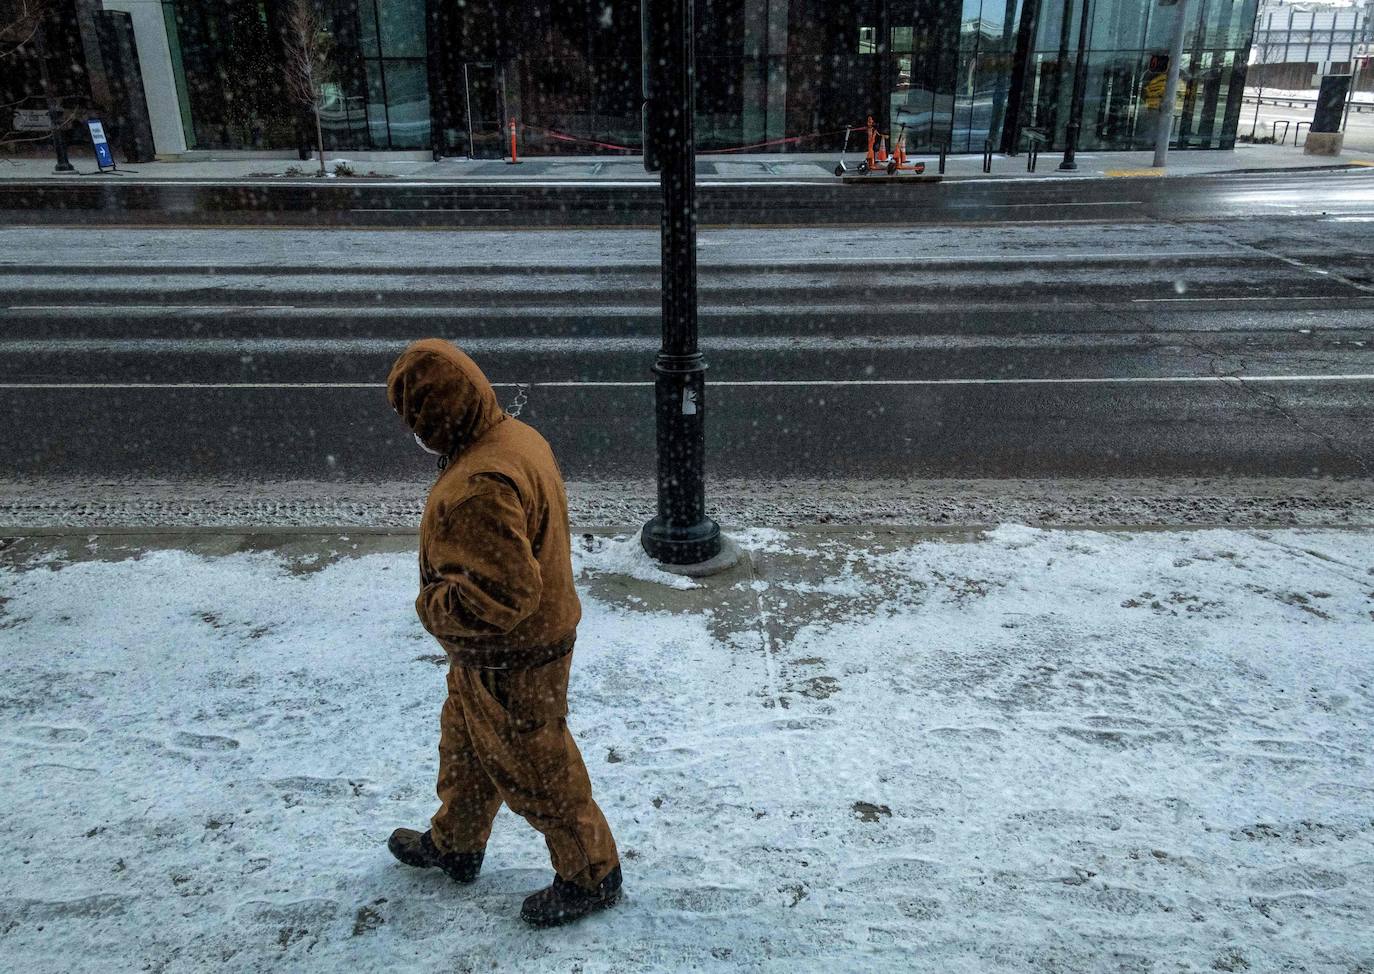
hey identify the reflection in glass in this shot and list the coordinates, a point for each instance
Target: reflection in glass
(781, 75)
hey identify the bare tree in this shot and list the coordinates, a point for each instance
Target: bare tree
(307, 63)
(19, 22)
(1262, 63)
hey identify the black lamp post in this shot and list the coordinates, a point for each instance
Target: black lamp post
(1080, 87)
(681, 533)
(59, 140)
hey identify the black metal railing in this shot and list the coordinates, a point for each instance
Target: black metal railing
(1035, 138)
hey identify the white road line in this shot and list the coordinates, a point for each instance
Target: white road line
(1339, 302)
(429, 209)
(1304, 266)
(1272, 298)
(735, 383)
(1048, 205)
(645, 266)
(152, 307)
(1113, 341)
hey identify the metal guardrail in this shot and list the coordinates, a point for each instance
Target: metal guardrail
(1035, 138)
(1355, 106)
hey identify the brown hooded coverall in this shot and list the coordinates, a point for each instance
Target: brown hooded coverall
(496, 590)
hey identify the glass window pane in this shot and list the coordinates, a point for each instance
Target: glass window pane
(1050, 23)
(968, 23)
(403, 28)
(1118, 25)
(999, 20)
(407, 96)
(367, 28)
(376, 105)
(1161, 26)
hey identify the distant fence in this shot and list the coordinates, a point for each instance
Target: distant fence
(1287, 102)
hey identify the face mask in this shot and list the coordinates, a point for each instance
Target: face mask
(422, 446)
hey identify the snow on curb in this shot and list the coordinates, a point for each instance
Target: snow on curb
(623, 555)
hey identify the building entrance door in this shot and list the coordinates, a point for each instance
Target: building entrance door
(486, 109)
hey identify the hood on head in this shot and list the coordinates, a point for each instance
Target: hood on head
(442, 395)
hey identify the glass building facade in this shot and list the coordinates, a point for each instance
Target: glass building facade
(228, 59)
(775, 75)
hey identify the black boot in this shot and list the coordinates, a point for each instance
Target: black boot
(564, 902)
(418, 849)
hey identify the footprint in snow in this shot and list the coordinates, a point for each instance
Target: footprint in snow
(44, 734)
(205, 742)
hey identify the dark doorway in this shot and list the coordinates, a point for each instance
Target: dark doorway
(486, 109)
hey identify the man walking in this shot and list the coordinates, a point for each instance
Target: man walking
(496, 591)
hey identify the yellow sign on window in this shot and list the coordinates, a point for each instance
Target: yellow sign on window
(1154, 92)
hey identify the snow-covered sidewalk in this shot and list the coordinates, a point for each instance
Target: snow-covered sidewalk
(1017, 750)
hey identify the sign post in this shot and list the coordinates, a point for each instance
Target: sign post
(104, 158)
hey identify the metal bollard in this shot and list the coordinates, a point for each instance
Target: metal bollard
(944, 154)
(987, 155)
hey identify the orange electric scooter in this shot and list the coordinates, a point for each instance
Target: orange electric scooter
(876, 157)
(899, 162)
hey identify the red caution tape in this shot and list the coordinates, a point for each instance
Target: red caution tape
(564, 137)
(760, 145)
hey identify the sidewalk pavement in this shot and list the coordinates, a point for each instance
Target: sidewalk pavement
(861, 749)
(818, 167)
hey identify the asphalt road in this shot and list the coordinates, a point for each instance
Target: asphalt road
(522, 203)
(1117, 348)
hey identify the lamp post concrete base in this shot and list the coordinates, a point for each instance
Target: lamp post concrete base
(1323, 144)
(729, 556)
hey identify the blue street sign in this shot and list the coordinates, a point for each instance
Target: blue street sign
(104, 158)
